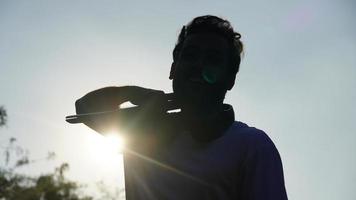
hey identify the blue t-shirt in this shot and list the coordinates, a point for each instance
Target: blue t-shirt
(242, 164)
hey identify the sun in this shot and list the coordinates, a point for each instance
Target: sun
(114, 142)
(106, 147)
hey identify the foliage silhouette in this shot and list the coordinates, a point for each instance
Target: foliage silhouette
(51, 186)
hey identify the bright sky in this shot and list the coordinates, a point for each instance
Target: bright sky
(297, 80)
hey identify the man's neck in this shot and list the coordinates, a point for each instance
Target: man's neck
(203, 114)
(211, 126)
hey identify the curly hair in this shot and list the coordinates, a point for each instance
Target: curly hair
(213, 24)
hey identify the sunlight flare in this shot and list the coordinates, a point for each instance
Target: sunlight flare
(114, 142)
(106, 148)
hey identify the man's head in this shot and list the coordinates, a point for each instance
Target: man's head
(206, 60)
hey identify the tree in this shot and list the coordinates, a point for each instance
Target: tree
(51, 186)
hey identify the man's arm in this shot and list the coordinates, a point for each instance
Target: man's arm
(263, 172)
(143, 127)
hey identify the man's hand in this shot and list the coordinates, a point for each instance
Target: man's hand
(110, 98)
(151, 103)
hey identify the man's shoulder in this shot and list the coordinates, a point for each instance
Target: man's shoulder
(241, 132)
(242, 129)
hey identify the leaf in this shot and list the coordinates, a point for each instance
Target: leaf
(22, 161)
(51, 155)
(12, 140)
(3, 116)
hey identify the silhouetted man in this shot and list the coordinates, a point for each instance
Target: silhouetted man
(200, 152)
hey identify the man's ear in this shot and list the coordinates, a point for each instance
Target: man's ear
(230, 82)
(231, 77)
(173, 71)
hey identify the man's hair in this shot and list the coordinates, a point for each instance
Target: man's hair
(213, 24)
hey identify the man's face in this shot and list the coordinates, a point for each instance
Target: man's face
(200, 73)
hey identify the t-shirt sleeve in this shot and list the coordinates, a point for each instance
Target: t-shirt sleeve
(262, 171)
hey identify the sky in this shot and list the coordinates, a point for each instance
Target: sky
(296, 82)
